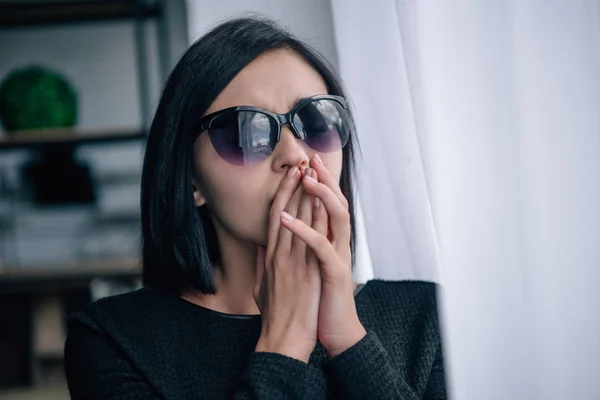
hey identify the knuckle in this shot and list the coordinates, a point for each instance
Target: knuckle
(344, 216)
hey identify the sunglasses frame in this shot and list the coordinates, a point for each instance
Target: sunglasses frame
(282, 119)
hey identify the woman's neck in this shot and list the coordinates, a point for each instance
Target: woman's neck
(234, 278)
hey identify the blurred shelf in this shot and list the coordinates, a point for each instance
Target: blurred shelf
(30, 13)
(121, 218)
(40, 393)
(119, 178)
(68, 275)
(55, 137)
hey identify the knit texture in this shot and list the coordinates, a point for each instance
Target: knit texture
(151, 345)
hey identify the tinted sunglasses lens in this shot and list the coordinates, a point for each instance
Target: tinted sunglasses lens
(243, 137)
(324, 125)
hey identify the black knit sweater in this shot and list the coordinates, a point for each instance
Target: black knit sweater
(150, 345)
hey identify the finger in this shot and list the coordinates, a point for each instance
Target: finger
(260, 271)
(317, 242)
(339, 218)
(326, 178)
(319, 224)
(305, 214)
(284, 242)
(320, 217)
(287, 187)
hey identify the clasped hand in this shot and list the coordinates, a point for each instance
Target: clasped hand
(304, 286)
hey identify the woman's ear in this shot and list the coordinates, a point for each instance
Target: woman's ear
(199, 199)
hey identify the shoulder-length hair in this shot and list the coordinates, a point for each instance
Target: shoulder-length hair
(179, 244)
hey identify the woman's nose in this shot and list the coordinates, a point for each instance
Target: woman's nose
(289, 151)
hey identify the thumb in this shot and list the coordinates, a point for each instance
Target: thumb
(260, 270)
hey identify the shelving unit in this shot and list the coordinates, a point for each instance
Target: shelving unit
(30, 13)
(47, 294)
(36, 139)
(65, 276)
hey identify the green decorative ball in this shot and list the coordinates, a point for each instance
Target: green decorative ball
(37, 98)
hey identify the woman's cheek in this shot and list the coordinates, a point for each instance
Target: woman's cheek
(243, 211)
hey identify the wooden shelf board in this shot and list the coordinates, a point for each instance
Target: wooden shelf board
(69, 274)
(28, 13)
(68, 136)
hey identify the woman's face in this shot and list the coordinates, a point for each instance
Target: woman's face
(240, 197)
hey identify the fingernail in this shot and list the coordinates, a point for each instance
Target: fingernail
(287, 216)
(293, 172)
(310, 180)
(307, 172)
(318, 159)
(317, 202)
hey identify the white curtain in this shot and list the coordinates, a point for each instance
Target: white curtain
(480, 129)
(393, 188)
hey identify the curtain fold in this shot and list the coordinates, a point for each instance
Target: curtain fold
(480, 129)
(392, 185)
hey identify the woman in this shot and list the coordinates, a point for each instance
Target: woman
(248, 232)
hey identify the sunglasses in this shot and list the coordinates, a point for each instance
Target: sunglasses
(247, 135)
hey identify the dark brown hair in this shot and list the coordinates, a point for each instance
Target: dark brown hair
(179, 240)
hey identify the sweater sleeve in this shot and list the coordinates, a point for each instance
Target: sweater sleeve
(97, 370)
(275, 376)
(364, 372)
(436, 386)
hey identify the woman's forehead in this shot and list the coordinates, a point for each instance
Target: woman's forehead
(273, 81)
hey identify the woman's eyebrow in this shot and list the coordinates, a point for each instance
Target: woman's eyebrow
(270, 108)
(264, 106)
(299, 100)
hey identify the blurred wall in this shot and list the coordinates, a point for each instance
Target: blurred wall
(310, 20)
